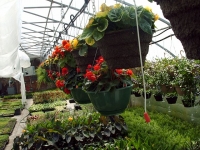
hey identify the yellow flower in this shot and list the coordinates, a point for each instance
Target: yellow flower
(101, 14)
(117, 5)
(74, 43)
(148, 8)
(23, 131)
(104, 7)
(70, 119)
(156, 17)
(90, 22)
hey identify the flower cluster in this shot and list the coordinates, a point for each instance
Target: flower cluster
(100, 78)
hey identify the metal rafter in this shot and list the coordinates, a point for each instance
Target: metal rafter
(74, 8)
(50, 19)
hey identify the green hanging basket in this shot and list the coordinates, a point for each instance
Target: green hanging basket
(112, 102)
(80, 96)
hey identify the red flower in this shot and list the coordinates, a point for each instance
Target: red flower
(64, 71)
(90, 76)
(67, 91)
(67, 47)
(89, 66)
(60, 83)
(78, 70)
(64, 42)
(97, 67)
(129, 72)
(119, 71)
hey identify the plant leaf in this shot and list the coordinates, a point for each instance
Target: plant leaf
(83, 50)
(115, 15)
(145, 26)
(68, 138)
(98, 35)
(87, 32)
(90, 41)
(103, 24)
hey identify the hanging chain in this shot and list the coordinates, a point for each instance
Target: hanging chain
(93, 7)
(62, 17)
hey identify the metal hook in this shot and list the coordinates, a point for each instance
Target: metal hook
(72, 19)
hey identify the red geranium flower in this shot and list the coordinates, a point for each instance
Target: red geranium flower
(97, 67)
(119, 71)
(129, 72)
(67, 91)
(64, 71)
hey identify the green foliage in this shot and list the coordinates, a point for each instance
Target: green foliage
(114, 18)
(49, 96)
(74, 133)
(46, 106)
(3, 140)
(163, 132)
(6, 125)
(7, 107)
(42, 76)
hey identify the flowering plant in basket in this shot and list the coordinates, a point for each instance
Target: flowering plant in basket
(101, 78)
(117, 17)
(62, 56)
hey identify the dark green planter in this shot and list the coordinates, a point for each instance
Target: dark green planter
(80, 96)
(112, 102)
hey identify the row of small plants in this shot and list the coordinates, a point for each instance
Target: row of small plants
(10, 107)
(46, 106)
(18, 96)
(92, 131)
(6, 125)
(170, 77)
(3, 140)
(49, 96)
(78, 132)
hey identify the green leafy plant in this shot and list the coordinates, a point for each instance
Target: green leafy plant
(74, 133)
(46, 106)
(117, 17)
(49, 96)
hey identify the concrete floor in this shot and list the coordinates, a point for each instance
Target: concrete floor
(20, 125)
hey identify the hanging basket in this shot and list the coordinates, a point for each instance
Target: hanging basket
(158, 97)
(83, 61)
(120, 48)
(112, 102)
(80, 96)
(188, 103)
(171, 100)
(184, 18)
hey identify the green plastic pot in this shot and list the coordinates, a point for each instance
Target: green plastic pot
(80, 96)
(112, 102)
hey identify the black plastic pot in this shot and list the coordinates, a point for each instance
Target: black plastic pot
(148, 95)
(17, 111)
(171, 100)
(137, 94)
(188, 103)
(158, 97)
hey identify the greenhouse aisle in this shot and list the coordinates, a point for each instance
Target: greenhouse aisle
(20, 125)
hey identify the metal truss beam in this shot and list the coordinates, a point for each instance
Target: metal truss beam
(70, 7)
(49, 19)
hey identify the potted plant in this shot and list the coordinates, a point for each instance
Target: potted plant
(158, 95)
(109, 90)
(182, 15)
(171, 97)
(113, 30)
(188, 100)
(83, 53)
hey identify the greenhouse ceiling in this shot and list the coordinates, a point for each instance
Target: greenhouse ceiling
(46, 22)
